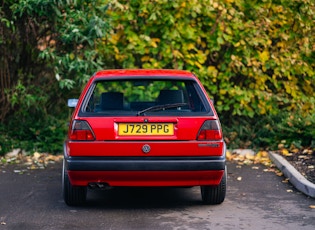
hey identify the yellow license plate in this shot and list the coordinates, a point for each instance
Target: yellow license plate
(125, 129)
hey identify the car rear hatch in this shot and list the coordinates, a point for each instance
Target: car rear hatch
(145, 116)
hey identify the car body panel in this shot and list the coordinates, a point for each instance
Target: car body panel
(135, 148)
(185, 128)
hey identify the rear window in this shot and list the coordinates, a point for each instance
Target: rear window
(145, 97)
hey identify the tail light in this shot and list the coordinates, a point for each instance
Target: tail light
(81, 131)
(210, 130)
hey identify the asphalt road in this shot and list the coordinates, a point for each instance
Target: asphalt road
(255, 199)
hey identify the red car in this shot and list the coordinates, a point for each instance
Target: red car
(144, 128)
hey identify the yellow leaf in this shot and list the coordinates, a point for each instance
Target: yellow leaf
(279, 173)
(285, 152)
(295, 150)
(145, 58)
(222, 91)
(198, 65)
(237, 44)
(154, 42)
(264, 154)
(264, 56)
(278, 9)
(215, 5)
(228, 155)
(190, 46)
(312, 206)
(36, 156)
(33, 167)
(212, 70)
(177, 54)
(71, 56)
(285, 181)
(249, 157)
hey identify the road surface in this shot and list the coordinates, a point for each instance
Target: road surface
(256, 199)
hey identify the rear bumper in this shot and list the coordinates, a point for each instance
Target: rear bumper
(146, 178)
(144, 163)
(145, 171)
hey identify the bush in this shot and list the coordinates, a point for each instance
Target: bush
(254, 57)
(32, 135)
(268, 131)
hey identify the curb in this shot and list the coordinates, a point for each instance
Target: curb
(296, 178)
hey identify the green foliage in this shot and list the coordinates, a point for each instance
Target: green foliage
(254, 57)
(45, 135)
(56, 50)
(5, 141)
(68, 45)
(47, 53)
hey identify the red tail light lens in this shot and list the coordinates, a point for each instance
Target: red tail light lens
(210, 130)
(81, 131)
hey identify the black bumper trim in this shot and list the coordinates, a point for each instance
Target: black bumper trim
(144, 163)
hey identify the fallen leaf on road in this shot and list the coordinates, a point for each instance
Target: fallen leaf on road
(3, 223)
(31, 161)
(286, 152)
(286, 180)
(228, 155)
(239, 178)
(36, 156)
(295, 150)
(268, 170)
(303, 157)
(289, 190)
(248, 157)
(307, 151)
(279, 173)
(312, 206)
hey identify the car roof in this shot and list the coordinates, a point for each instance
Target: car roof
(143, 73)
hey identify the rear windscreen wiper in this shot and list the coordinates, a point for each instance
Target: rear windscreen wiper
(161, 107)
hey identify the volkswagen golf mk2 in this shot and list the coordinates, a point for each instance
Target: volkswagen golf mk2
(144, 128)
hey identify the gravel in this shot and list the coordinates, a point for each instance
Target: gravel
(304, 162)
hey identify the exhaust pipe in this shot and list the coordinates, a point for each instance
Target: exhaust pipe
(99, 185)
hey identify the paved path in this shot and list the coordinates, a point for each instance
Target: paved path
(256, 199)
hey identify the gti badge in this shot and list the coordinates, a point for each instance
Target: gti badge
(146, 148)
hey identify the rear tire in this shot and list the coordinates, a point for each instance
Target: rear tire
(72, 195)
(214, 194)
